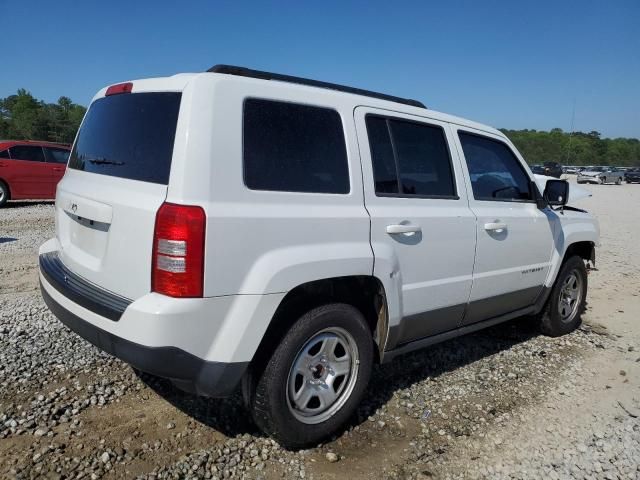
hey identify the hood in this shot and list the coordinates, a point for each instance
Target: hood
(576, 192)
(589, 173)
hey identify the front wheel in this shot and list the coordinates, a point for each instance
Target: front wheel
(619, 181)
(316, 376)
(567, 300)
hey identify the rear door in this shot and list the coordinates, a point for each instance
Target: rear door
(30, 173)
(115, 182)
(422, 230)
(515, 237)
(57, 159)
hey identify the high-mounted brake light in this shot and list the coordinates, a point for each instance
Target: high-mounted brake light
(178, 251)
(119, 88)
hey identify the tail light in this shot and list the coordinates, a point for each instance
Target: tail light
(178, 251)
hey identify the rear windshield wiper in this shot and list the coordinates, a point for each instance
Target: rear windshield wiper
(104, 161)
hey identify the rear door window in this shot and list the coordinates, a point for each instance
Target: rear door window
(27, 152)
(129, 136)
(293, 148)
(410, 158)
(57, 155)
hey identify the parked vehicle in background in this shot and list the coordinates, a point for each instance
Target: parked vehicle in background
(30, 170)
(600, 175)
(552, 169)
(538, 169)
(350, 227)
(632, 175)
(571, 170)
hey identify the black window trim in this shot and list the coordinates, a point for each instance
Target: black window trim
(293, 102)
(532, 193)
(387, 119)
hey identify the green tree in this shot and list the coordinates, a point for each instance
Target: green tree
(24, 117)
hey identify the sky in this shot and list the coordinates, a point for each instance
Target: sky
(509, 64)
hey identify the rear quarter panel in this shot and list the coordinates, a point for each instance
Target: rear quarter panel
(262, 242)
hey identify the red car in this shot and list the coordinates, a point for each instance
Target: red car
(30, 169)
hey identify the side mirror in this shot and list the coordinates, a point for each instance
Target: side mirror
(556, 192)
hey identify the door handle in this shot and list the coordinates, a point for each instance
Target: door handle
(497, 227)
(395, 229)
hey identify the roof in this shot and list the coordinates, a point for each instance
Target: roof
(36, 142)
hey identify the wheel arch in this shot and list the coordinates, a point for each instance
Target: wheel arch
(364, 292)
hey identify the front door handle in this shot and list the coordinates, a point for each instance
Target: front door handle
(497, 227)
(395, 229)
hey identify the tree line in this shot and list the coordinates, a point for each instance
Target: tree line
(23, 117)
(575, 148)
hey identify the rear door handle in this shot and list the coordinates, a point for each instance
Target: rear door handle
(497, 227)
(396, 229)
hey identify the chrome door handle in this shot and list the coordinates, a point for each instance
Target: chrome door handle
(497, 227)
(395, 229)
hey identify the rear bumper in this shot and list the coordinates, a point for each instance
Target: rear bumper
(188, 372)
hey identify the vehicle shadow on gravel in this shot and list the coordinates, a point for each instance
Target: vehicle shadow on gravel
(7, 240)
(21, 204)
(230, 417)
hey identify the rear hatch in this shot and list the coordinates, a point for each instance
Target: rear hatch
(116, 180)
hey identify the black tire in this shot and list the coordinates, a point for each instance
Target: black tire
(270, 404)
(619, 181)
(551, 320)
(4, 194)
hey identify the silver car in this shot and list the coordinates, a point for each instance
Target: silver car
(601, 175)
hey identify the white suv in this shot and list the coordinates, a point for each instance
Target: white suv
(238, 227)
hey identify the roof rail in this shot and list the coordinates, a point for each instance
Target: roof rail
(247, 72)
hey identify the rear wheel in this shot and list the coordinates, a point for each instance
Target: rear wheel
(602, 180)
(566, 302)
(316, 377)
(619, 181)
(4, 193)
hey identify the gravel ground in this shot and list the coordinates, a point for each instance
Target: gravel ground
(502, 403)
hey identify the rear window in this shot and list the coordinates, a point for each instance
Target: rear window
(294, 148)
(129, 136)
(57, 155)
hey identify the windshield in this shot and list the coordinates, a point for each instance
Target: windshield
(129, 136)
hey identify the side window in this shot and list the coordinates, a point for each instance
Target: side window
(409, 158)
(4, 153)
(496, 173)
(27, 152)
(57, 155)
(293, 148)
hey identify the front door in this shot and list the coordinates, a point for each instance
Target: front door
(31, 174)
(422, 230)
(515, 238)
